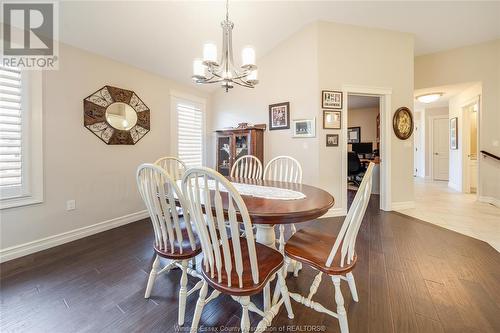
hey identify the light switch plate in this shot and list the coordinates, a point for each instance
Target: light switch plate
(70, 205)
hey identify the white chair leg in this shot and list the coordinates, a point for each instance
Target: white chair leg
(267, 296)
(285, 295)
(352, 286)
(199, 307)
(342, 314)
(297, 268)
(282, 239)
(283, 271)
(296, 265)
(152, 276)
(245, 319)
(183, 292)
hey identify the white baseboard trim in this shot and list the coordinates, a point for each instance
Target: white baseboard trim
(403, 205)
(21, 250)
(490, 200)
(333, 212)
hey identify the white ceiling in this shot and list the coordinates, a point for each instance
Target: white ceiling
(362, 102)
(164, 36)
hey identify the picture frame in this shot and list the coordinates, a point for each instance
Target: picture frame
(332, 140)
(332, 119)
(304, 128)
(331, 99)
(279, 116)
(402, 123)
(454, 133)
(354, 135)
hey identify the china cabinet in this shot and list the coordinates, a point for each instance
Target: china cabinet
(232, 143)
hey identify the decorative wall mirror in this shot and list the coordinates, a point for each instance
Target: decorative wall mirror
(116, 116)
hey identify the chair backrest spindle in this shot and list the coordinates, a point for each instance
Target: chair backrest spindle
(346, 238)
(173, 165)
(283, 169)
(160, 192)
(247, 166)
(208, 193)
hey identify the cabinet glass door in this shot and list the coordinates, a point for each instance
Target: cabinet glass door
(224, 155)
(242, 145)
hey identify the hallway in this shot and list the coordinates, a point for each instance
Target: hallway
(436, 203)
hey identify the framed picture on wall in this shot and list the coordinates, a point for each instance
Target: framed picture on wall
(354, 135)
(332, 140)
(279, 116)
(331, 99)
(304, 128)
(332, 119)
(454, 133)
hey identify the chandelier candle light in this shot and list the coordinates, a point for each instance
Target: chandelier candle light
(208, 70)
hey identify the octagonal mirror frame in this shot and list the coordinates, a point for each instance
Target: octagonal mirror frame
(94, 116)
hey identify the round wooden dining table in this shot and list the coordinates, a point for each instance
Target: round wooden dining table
(266, 213)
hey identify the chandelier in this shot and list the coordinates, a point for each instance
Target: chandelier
(208, 70)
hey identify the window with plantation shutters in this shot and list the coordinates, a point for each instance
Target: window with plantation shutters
(190, 133)
(12, 182)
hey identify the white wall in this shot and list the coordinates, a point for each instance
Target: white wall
(325, 56)
(476, 63)
(350, 55)
(77, 164)
(366, 118)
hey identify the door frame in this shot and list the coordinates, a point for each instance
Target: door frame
(464, 135)
(431, 145)
(385, 95)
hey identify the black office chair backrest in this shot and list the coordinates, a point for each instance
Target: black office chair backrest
(353, 162)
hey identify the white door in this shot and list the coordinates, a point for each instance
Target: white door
(440, 149)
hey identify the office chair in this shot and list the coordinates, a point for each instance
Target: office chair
(354, 168)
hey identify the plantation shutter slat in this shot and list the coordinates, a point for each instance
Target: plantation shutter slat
(190, 134)
(11, 170)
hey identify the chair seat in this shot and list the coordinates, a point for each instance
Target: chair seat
(311, 246)
(187, 250)
(269, 262)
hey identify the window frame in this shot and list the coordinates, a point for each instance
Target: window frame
(176, 97)
(31, 190)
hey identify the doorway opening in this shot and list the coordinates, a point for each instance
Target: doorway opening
(470, 135)
(364, 142)
(363, 139)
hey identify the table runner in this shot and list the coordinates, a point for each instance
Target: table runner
(258, 191)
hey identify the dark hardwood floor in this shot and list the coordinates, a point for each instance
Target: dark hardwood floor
(411, 276)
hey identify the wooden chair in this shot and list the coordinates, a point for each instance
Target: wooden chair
(284, 169)
(334, 256)
(173, 165)
(232, 265)
(174, 239)
(247, 166)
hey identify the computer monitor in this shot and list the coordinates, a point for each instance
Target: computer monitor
(363, 147)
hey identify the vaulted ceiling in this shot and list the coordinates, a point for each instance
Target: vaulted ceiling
(164, 36)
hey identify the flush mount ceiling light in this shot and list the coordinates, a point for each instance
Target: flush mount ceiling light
(429, 98)
(208, 70)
